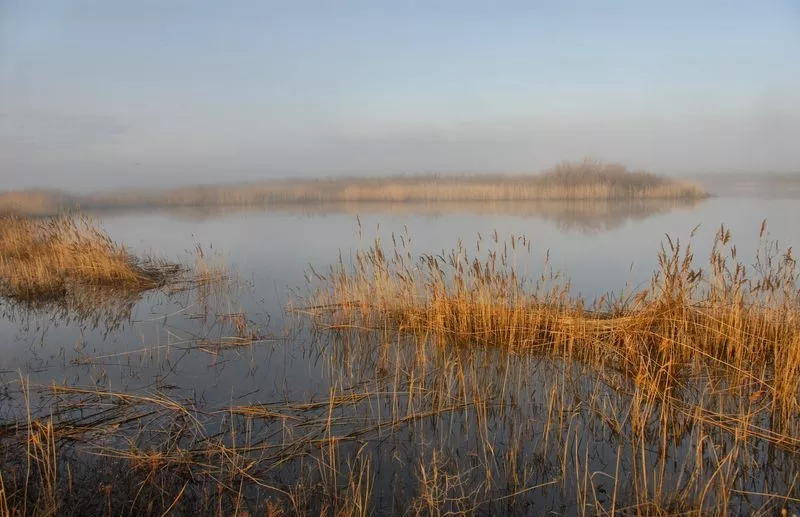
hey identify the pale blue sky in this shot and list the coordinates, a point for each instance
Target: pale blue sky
(104, 93)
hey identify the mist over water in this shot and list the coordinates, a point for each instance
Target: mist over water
(91, 101)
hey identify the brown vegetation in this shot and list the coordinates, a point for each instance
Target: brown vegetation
(456, 386)
(44, 259)
(587, 180)
(33, 202)
(703, 354)
(738, 318)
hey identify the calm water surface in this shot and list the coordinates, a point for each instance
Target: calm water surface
(167, 344)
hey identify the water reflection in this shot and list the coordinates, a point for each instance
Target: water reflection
(194, 392)
(582, 216)
(427, 427)
(91, 308)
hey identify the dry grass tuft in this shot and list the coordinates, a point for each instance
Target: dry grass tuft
(47, 259)
(739, 319)
(689, 378)
(456, 385)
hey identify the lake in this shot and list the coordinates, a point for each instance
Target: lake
(462, 430)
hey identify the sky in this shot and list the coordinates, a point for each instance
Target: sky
(99, 94)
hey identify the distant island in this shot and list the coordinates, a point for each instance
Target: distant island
(585, 180)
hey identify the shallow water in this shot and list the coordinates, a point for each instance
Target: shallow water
(170, 344)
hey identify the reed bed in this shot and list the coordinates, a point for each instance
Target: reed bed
(34, 202)
(408, 430)
(739, 317)
(51, 258)
(583, 180)
(739, 323)
(451, 384)
(586, 180)
(693, 379)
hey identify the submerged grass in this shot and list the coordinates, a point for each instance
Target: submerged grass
(47, 259)
(738, 317)
(734, 325)
(454, 385)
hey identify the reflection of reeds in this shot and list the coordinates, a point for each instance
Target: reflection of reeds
(596, 216)
(463, 431)
(585, 216)
(67, 268)
(708, 354)
(95, 307)
(455, 387)
(736, 317)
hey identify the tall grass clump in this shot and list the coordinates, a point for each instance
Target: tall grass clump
(738, 319)
(51, 258)
(446, 384)
(686, 381)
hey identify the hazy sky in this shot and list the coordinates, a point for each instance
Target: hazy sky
(98, 94)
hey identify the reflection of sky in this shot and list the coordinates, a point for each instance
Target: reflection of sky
(277, 247)
(273, 249)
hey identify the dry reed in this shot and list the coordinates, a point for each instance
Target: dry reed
(740, 320)
(586, 180)
(458, 387)
(34, 202)
(46, 259)
(489, 302)
(693, 379)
